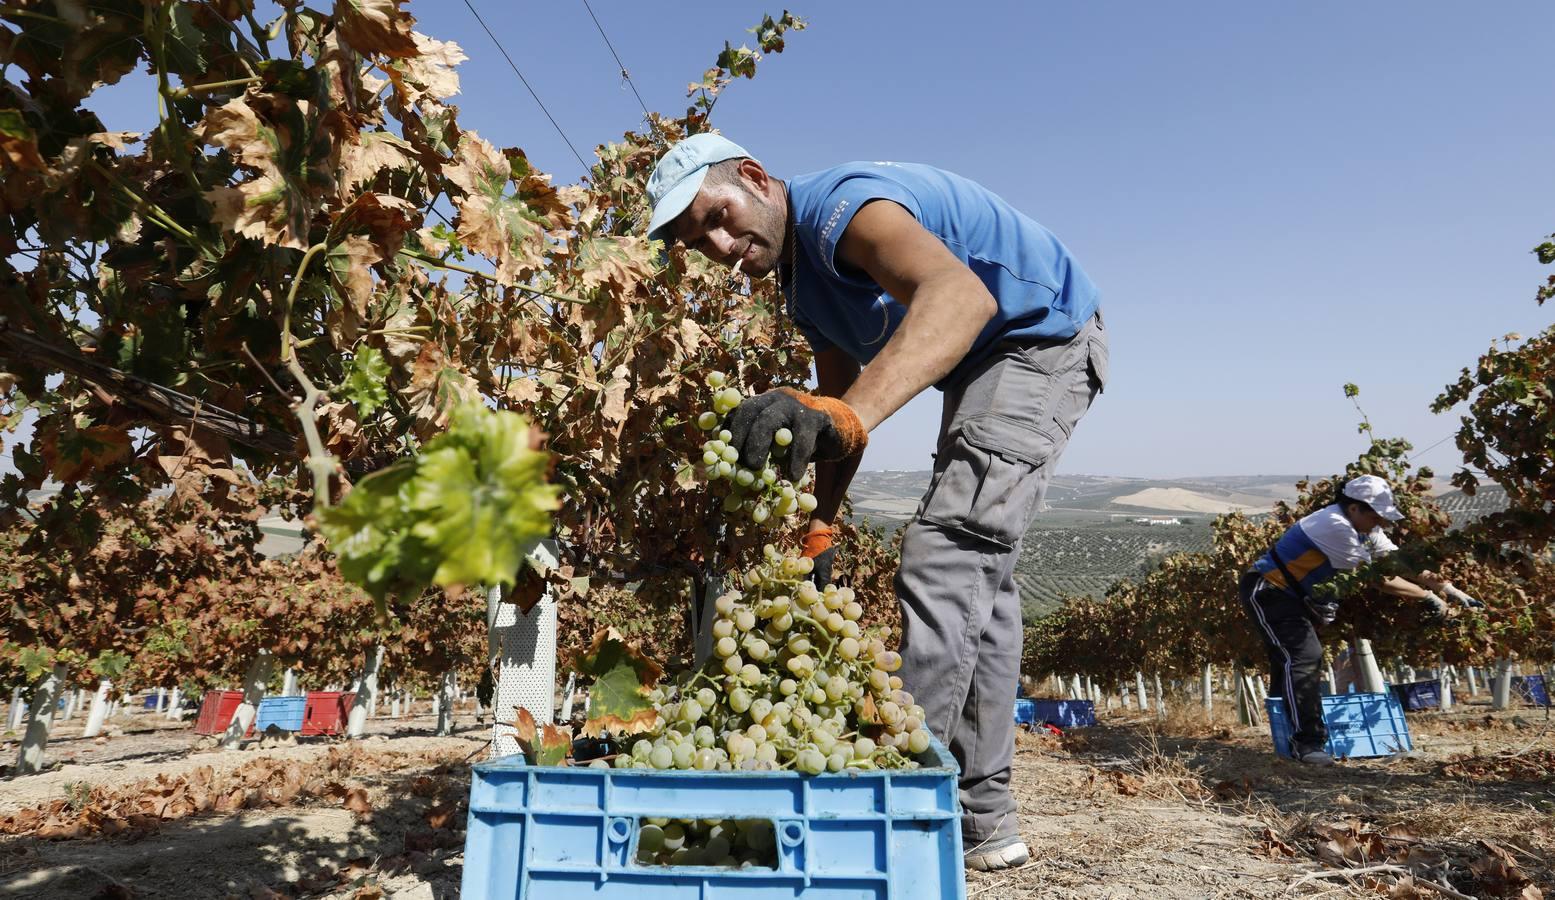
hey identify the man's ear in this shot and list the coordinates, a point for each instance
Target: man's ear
(754, 175)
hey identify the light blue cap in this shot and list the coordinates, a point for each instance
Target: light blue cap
(679, 175)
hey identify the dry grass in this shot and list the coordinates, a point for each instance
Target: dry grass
(1163, 775)
(1147, 784)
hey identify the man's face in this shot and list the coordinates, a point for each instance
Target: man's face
(734, 222)
(1364, 518)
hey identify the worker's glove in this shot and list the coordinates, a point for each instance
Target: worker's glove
(819, 547)
(1435, 607)
(823, 428)
(1462, 599)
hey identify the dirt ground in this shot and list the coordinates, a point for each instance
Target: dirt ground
(1136, 807)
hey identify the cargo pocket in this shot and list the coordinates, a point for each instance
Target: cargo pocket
(989, 483)
(1097, 348)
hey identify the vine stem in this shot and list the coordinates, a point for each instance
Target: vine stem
(185, 91)
(160, 215)
(320, 463)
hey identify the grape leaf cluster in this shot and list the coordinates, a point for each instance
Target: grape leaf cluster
(466, 510)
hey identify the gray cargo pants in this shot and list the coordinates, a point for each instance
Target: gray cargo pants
(1001, 434)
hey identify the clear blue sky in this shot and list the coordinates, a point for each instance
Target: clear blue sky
(1274, 200)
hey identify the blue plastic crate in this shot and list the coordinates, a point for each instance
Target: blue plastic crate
(283, 712)
(1417, 695)
(1063, 713)
(1532, 689)
(542, 832)
(1359, 725)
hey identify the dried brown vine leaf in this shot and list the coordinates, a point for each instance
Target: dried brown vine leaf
(430, 73)
(1498, 871)
(620, 262)
(18, 142)
(76, 454)
(350, 263)
(376, 26)
(259, 209)
(235, 127)
(614, 396)
(436, 389)
(372, 153)
(491, 220)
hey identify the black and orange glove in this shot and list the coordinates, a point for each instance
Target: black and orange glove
(819, 546)
(824, 428)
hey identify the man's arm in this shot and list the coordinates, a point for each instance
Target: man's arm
(1403, 587)
(947, 308)
(835, 372)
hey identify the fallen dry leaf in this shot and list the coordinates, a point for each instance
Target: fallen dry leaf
(1406, 888)
(1272, 845)
(356, 801)
(441, 814)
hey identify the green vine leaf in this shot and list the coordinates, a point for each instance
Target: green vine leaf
(364, 382)
(623, 677)
(467, 510)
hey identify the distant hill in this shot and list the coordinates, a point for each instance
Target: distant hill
(1097, 529)
(893, 496)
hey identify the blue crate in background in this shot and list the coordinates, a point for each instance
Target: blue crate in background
(1359, 725)
(283, 712)
(541, 832)
(1063, 713)
(1532, 689)
(1417, 695)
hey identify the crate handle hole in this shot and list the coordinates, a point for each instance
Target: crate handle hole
(793, 834)
(620, 830)
(717, 843)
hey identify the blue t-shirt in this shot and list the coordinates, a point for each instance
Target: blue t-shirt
(1040, 289)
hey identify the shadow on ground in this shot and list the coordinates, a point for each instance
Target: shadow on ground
(416, 826)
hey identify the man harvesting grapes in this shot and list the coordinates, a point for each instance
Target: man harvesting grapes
(903, 277)
(1278, 596)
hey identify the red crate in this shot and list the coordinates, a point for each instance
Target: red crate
(325, 712)
(216, 711)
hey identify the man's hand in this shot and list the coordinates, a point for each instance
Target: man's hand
(1462, 599)
(819, 547)
(1435, 607)
(822, 428)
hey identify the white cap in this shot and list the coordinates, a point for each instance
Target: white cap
(679, 175)
(1375, 493)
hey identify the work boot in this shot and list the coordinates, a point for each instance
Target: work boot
(1000, 853)
(1313, 756)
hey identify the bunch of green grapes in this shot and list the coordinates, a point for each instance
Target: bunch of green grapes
(761, 494)
(794, 682)
(707, 842)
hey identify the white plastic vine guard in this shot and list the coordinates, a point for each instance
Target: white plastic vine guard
(525, 648)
